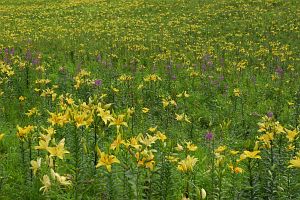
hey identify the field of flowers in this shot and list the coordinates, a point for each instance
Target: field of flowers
(150, 99)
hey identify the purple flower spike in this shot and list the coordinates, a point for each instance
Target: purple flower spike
(279, 71)
(270, 114)
(98, 82)
(209, 136)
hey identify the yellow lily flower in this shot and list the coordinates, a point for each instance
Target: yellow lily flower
(47, 184)
(118, 122)
(35, 165)
(118, 141)
(62, 180)
(59, 150)
(295, 163)
(190, 146)
(106, 160)
(187, 164)
(291, 135)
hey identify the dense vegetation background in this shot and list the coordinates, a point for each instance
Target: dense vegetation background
(149, 99)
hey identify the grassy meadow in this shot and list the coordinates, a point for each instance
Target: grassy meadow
(150, 99)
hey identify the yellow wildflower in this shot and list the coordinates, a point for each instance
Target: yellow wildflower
(220, 149)
(233, 152)
(148, 140)
(44, 141)
(118, 122)
(187, 164)
(69, 101)
(190, 146)
(249, 154)
(179, 147)
(291, 135)
(59, 150)
(47, 184)
(145, 110)
(62, 180)
(33, 111)
(22, 98)
(295, 163)
(35, 165)
(23, 132)
(105, 115)
(172, 158)
(161, 136)
(117, 142)
(182, 117)
(237, 92)
(152, 129)
(134, 143)
(106, 160)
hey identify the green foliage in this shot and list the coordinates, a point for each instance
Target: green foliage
(149, 99)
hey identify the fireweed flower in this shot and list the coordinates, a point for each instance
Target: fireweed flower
(270, 114)
(98, 82)
(279, 71)
(209, 136)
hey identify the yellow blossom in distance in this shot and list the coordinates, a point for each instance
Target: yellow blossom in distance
(145, 110)
(22, 98)
(237, 92)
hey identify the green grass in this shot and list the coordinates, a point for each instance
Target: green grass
(210, 49)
